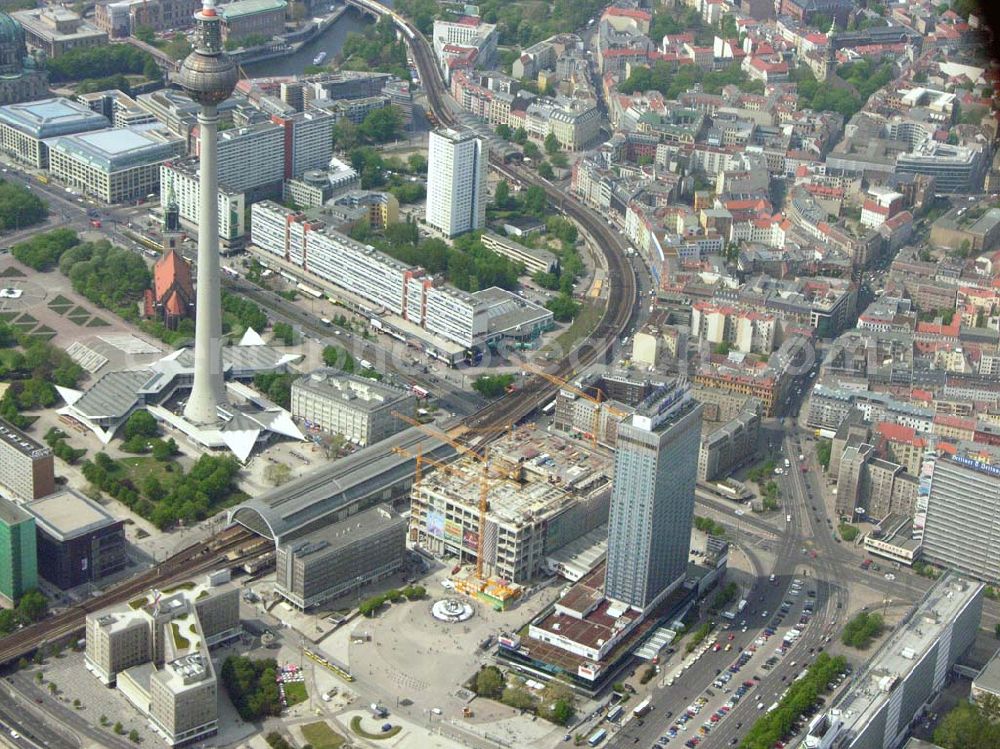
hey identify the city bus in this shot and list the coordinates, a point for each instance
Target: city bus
(642, 708)
(615, 713)
(597, 737)
(549, 408)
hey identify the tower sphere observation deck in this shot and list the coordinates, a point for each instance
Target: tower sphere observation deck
(208, 75)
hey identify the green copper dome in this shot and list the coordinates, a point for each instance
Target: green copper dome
(11, 32)
(12, 46)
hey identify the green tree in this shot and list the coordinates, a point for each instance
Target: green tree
(144, 34)
(8, 621)
(141, 424)
(19, 207)
(518, 698)
(504, 131)
(545, 170)
(968, 726)
(824, 450)
(284, 333)
(492, 386)
(862, 629)
(490, 682)
(501, 197)
(133, 736)
(345, 134)
(532, 151)
(551, 144)
(520, 136)
(563, 307)
(383, 125)
(32, 607)
(561, 712)
(118, 728)
(43, 251)
(722, 348)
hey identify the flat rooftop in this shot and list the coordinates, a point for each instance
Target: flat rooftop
(47, 118)
(371, 471)
(989, 678)
(905, 648)
(362, 393)
(67, 514)
(349, 531)
(117, 148)
(10, 513)
(250, 7)
(15, 438)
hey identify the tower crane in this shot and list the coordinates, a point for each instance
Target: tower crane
(598, 400)
(484, 481)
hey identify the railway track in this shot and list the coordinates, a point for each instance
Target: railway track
(509, 409)
(196, 558)
(622, 296)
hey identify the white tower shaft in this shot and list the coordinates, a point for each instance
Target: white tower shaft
(209, 389)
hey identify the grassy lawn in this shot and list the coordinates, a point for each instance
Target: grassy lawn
(43, 332)
(61, 304)
(141, 466)
(97, 322)
(321, 736)
(356, 727)
(78, 319)
(11, 272)
(26, 319)
(295, 692)
(8, 316)
(585, 321)
(79, 311)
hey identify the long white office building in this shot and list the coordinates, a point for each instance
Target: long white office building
(906, 673)
(389, 287)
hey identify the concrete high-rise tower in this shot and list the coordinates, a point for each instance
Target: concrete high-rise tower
(456, 181)
(208, 76)
(652, 501)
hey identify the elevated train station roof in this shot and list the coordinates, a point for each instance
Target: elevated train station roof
(375, 473)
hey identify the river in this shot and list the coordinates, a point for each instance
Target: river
(330, 42)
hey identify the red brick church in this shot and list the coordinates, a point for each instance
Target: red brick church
(172, 297)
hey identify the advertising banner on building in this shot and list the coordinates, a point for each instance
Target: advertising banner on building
(435, 524)
(452, 531)
(470, 540)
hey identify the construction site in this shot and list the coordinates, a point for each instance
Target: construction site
(500, 517)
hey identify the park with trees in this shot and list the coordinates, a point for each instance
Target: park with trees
(20, 207)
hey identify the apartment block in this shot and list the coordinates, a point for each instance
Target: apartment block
(729, 446)
(456, 181)
(964, 491)
(156, 650)
(907, 673)
(180, 178)
(27, 468)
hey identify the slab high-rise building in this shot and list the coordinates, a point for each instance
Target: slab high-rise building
(456, 181)
(960, 531)
(18, 555)
(652, 502)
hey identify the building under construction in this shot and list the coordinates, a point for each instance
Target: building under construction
(555, 491)
(593, 406)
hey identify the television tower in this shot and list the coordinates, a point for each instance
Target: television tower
(208, 76)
